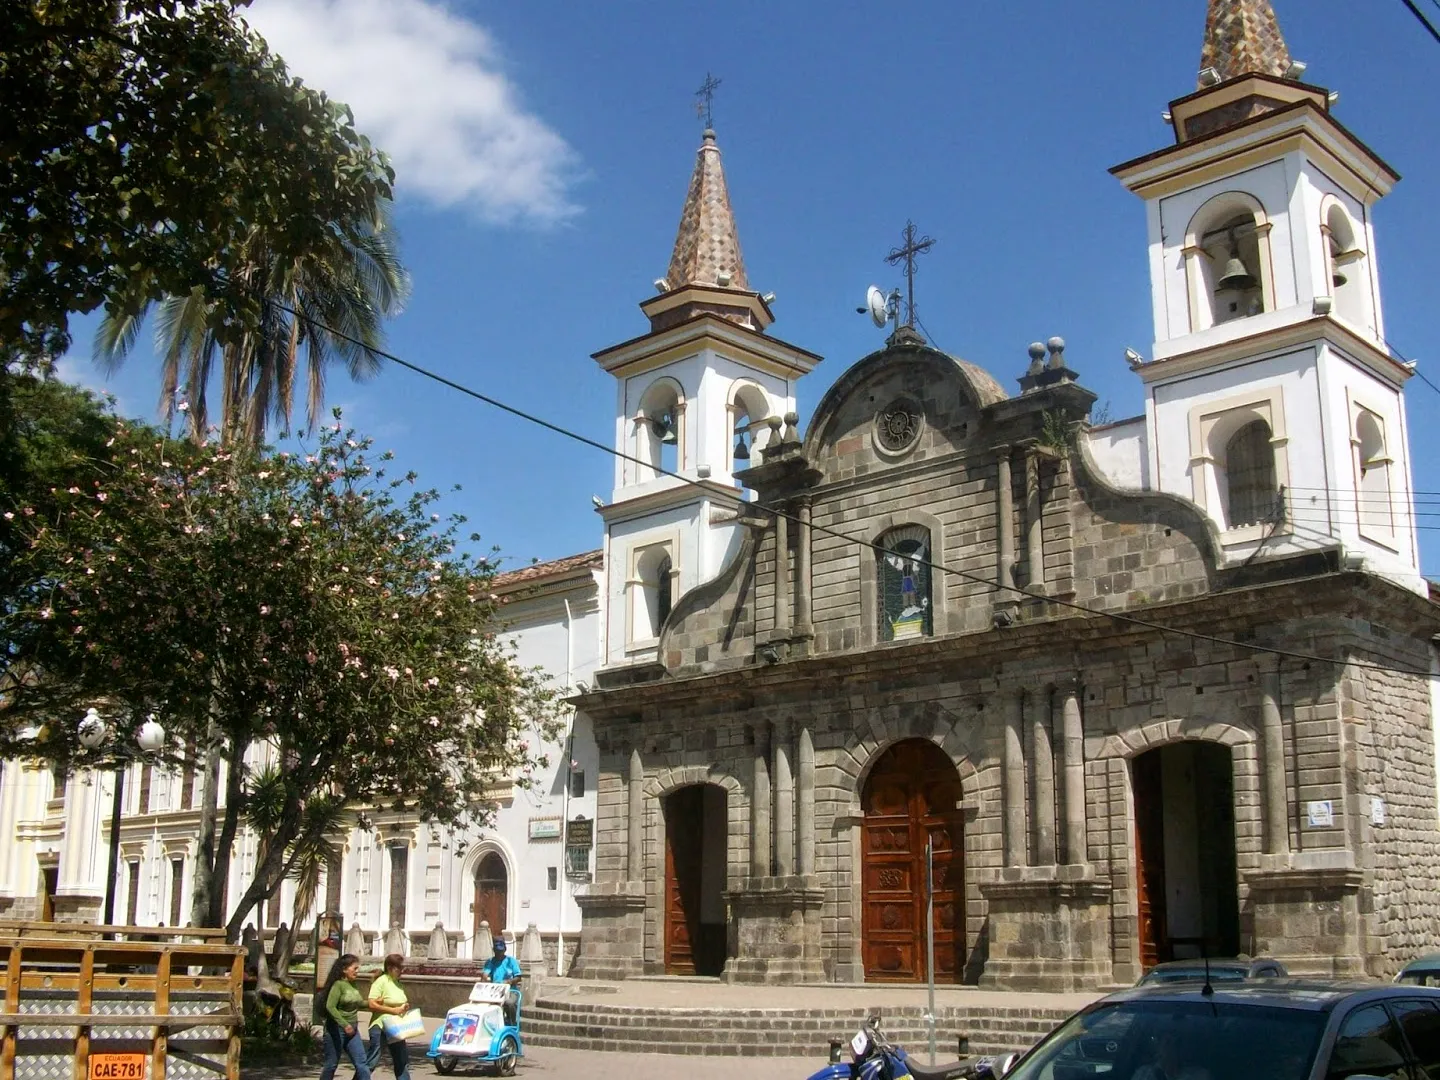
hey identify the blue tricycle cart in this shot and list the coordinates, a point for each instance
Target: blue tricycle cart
(477, 1034)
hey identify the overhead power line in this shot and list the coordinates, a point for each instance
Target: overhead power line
(744, 504)
(1414, 10)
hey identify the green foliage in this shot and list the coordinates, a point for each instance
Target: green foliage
(1055, 433)
(307, 604)
(145, 141)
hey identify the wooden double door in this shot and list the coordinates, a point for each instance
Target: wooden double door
(695, 928)
(912, 795)
(492, 895)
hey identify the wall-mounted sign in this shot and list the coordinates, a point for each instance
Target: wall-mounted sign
(1377, 810)
(545, 828)
(1320, 814)
(580, 833)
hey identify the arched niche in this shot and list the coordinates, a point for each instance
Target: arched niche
(1230, 227)
(658, 438)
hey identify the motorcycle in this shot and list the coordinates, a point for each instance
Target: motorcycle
(874, 1057)
(478, 1033)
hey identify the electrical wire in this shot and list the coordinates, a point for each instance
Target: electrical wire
(743, 504)
(1423, 20)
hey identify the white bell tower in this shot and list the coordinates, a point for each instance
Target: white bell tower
(1272, 399)
(696, 396)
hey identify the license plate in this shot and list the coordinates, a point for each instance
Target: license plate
(117, 1067)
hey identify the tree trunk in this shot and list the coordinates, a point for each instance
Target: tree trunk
(270, 871)
(234, 794)
(202, 906)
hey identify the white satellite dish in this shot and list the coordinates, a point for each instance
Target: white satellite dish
(878, 305)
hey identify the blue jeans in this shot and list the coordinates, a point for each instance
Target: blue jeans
(399, 1053)
(339, 1045)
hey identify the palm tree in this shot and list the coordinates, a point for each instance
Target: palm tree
(329, 303)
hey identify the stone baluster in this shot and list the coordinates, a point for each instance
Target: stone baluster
(760, 812)
(634, 822)
(805, 789)
(1043, 755)
(1277, 816)
(784, 802)
(1014, 779)
(1073, 754)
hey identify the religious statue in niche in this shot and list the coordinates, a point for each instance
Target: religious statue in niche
(905, 584)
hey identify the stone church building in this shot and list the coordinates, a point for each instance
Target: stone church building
(1142, 690)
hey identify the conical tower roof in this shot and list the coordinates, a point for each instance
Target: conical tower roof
(707, 247)
(1242, 37)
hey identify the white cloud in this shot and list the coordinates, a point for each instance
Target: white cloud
(427, 87)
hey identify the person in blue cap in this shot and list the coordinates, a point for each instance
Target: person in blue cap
(502, 967)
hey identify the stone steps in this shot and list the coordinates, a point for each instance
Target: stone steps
(775, 1032)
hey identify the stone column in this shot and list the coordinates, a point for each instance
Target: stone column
(784, 803)
(1073, 754)
(782, 574)
(802, 568)
(1004, 526)
(1014, 779)
(805, 789)
(1044, 794)
(760, 812)
(1277, 816)
(634, 822)
(1034, 534)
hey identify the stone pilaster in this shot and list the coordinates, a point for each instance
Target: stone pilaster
(1004, 527)
(802, 569)
(1014, 774)
(782, 574)
(805, 811)
(1043, 797)
(760, 812)
(1034, 534)
(1072, 748)
(1272, 736)
(784, 802)
(635, 820)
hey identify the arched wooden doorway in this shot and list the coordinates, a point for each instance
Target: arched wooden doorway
(913, 793)
(1188, 897)
(695, 853)
(492, 894)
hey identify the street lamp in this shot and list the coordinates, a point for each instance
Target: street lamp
(91, 733)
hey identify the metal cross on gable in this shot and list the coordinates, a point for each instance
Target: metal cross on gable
(705, 105)
(906, 254)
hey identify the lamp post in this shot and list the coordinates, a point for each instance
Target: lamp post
(150, 738)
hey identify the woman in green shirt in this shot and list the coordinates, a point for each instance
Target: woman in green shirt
(343, 1001)
(388, 998)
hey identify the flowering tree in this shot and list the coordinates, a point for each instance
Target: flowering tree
(305, 603)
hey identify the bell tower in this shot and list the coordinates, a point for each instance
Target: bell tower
(1272, 399)
(696, 396)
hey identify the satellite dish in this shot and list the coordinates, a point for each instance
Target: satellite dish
(878, 306)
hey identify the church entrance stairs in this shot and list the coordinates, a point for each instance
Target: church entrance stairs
(704, 1016)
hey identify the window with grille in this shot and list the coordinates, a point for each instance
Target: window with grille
(132, 894)
(177, 889)
(903, 583)
(399, 879)
(1250, 476)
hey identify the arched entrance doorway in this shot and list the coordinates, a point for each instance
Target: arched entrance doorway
(913, 793)
(695, 850)
(492, 894)
(1187, 886)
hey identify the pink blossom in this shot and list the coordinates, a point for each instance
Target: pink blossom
(9, 516)
(99, 495)
(264, 609)
(47, 613)
(184, 406)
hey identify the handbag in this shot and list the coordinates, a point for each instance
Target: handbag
(400, 1028)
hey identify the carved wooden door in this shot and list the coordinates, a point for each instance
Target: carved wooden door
(491, 895)
(684, 816)
(1149, 856)
(912, 794)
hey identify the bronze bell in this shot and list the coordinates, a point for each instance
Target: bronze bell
(1338, 278)
(664, 429)
(742, 448)
(1235, 275)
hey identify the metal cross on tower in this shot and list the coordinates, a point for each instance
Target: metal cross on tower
(906, 255)
(705, 106)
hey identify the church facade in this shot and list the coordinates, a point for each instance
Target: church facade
(1119, 694)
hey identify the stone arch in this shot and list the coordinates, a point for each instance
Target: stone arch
(1347, 270)
(661, 396)
(463, 886)
(1115, 754)
(747, 397)
(1199, 275)
(869, 602)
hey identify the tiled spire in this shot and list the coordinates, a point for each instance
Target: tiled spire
(707, 247)
(1243, 37)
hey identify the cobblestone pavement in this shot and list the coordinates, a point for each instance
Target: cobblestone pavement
(545, 1063)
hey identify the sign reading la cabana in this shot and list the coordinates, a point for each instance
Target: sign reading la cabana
(545, 828)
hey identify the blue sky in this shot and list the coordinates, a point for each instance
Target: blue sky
(543, 152)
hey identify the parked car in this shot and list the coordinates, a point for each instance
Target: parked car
(1285, 1029)
(1227, 969)
(1422, 971)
